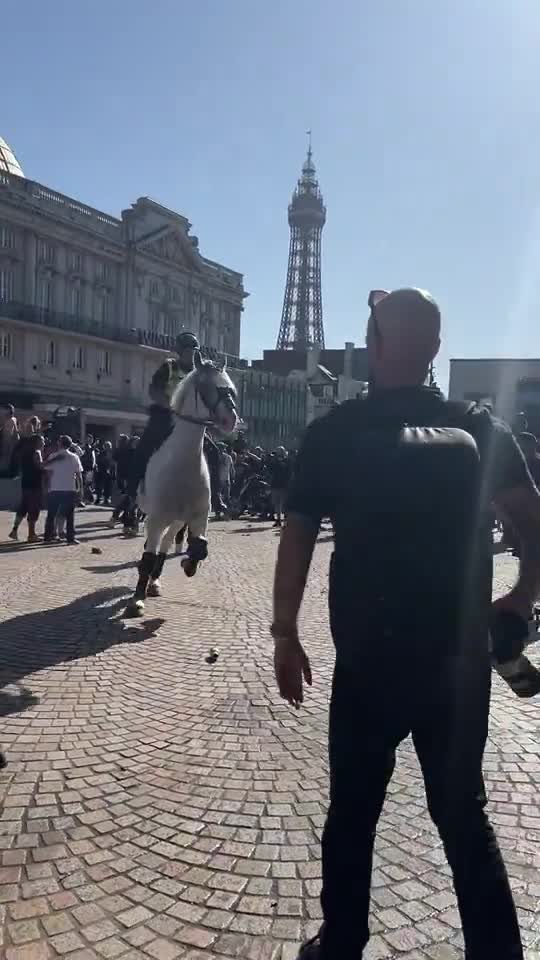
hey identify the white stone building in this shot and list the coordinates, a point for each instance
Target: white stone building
(90, 304)
(511, 385)
(325, 388)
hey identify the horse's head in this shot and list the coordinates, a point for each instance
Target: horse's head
(213, 395)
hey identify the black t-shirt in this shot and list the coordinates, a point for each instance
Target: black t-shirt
(407, 480)
(31, 471)
(279, 472)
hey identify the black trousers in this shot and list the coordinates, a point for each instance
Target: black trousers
(445, 707)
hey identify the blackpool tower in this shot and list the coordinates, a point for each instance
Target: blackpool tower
(301, 319)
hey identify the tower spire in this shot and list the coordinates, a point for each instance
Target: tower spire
(301, 319)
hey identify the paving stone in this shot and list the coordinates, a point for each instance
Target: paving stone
(158, 807)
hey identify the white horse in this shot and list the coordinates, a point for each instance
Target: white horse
(176, 489)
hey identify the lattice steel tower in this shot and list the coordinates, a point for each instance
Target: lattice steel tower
(301, 319)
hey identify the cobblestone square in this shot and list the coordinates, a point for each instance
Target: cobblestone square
(159, 806)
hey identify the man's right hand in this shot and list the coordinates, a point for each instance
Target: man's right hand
(291, 667)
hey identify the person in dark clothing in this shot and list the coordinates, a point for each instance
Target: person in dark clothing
(122, 457)
(407, 480)
(88, 462)
(528, 445)
(279, 473)
(104, 474)
(30, 464)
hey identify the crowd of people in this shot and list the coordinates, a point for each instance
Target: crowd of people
(59, 474)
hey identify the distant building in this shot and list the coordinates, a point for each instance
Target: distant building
(89, 303)
(328, 376)
(274, 408)
(349, 361)
(510, 385)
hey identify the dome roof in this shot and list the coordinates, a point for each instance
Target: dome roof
(8, 160)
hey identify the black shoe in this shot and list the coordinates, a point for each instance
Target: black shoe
(71, 543)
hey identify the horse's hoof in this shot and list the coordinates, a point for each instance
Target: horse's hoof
(189, 567)
(135, 608)
(154, 589)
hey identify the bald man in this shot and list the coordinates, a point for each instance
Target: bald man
(408, 480)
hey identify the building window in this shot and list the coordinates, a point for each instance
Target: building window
(5, 345)
(45, 293)
(102, 308)
(75, 300)
(157, 320)
(7, 284)
(76, 262)
(7, 238)
(170, 325)
(50, 354)
(103, 270)
(47, 252)
(104, 362)
(79, 358)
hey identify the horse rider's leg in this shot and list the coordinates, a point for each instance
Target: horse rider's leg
(154, 587)
(197, 542)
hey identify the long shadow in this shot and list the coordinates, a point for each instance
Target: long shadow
(16, 702)
(82, 628)
(111, 567)
(14, 546)
(249, 530)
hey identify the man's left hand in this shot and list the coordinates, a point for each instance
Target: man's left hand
(291, 667)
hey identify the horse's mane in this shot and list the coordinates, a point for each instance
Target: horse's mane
(188, 382)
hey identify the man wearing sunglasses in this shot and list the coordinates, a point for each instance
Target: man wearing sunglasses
(408, 480)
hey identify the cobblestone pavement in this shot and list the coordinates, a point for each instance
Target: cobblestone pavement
(157, 806)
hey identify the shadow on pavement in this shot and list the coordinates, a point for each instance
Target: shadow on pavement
(112, 567)
(17, 701)
(246, 530)
(82, 628)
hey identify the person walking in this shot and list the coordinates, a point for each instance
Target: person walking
(279, 471)
(104, 474)
(30, 463)
(88, 461)
(226, 474)
(9, 437)
(65, 472)
(407, 479)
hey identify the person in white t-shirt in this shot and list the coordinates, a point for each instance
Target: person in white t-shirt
(64, 471)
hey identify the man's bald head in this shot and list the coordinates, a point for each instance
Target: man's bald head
(403, 337)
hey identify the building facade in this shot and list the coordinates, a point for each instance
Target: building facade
(511, 386)
(90, 304)
(274, 408)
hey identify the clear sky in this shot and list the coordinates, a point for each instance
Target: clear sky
(426, 138)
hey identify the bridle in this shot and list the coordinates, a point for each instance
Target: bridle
(222, 394)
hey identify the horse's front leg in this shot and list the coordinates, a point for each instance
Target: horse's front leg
(147, 563)
(154, 586)
(197, 543)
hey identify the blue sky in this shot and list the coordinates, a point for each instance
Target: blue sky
(426, 138)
